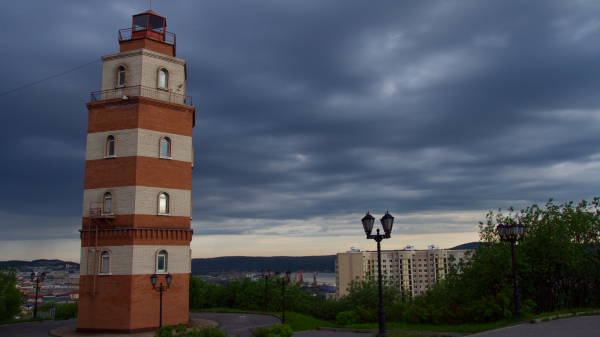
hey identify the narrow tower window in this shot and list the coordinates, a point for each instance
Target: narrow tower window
(163, 77)
(161, 262)
(110, 146)
(163, 203)
(105, 263)
(108, 203)
(121, 76)
(165, 147)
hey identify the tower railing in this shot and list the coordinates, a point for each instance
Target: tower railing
(158, 34)
(139, 90)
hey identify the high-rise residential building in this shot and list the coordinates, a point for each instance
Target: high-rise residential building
(411, 270)
(137, 203)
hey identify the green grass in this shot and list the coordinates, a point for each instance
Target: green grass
(300, 322)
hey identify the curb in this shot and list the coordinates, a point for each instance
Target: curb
(567, 315)
(422, 333)
(246, 312)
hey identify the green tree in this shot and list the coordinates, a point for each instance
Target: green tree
(10, 297)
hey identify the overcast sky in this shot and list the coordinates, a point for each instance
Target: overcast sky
(310, 113)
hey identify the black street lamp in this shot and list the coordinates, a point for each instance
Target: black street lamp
(37, 281)
(386, 222)
(513, 233)
(266, 275)
(283, 281)
(160, 289)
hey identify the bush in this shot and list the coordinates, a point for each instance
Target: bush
(182, 331)
(260, 331)
(347, 318)
(282, 330)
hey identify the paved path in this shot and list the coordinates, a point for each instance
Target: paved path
(32, 329)
(583, 326)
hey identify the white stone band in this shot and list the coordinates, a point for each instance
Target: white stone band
(138, 142)
(136, 260)
(139, 200)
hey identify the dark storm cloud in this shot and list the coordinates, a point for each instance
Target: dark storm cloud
(309, 111)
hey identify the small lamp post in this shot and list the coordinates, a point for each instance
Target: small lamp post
(283, 281)
(160, 289)
(37, 281)
(266, 275)
(387, 221)
(513, 233)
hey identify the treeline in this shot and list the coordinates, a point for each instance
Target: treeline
(558, 267)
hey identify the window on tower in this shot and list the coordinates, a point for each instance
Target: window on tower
(161, 261)
(121, 76)
(108, 203)
(104, 263)
(110, 147)
(165, 148)
(163, 203)
(163, 79)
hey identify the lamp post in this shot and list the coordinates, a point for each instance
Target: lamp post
(387, 221)
(283, 281)
(37, 281)
(160, 289)
(266, 275)
(513, 233)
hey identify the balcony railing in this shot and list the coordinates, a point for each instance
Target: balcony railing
(157, 34)
(126, 92)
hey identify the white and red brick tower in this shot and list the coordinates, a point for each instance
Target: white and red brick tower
(137, 201)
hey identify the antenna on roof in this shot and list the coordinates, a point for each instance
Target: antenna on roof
(150, 4)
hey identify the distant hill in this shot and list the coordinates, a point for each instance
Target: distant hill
(36, 263)
(470, 245)
(256, 263)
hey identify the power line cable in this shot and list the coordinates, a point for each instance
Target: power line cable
(68, 71)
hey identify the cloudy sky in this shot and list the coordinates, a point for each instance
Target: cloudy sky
(310, 113)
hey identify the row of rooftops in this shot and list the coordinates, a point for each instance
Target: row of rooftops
(408, 248)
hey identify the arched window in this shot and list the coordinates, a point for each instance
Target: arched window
(110, 146)
(121, 76)
(165, 147)
(105, 263)
(163, 79)
(163, 203)
(108, 203)
(161, 261)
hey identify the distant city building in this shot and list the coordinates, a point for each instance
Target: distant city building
(410, 269)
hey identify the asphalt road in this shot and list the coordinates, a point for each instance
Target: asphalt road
(583, 326)
(32, 329)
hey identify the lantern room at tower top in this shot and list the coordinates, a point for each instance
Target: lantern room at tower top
(148, 30)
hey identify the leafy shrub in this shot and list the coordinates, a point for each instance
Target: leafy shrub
(66, 311)
(182, 331)
(165, 331)
(367, 315)
(282, 330)
(347, 318)
(261, 331)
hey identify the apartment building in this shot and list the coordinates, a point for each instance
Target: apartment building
(410, 269)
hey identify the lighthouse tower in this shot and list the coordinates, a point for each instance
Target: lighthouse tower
(137, 201)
